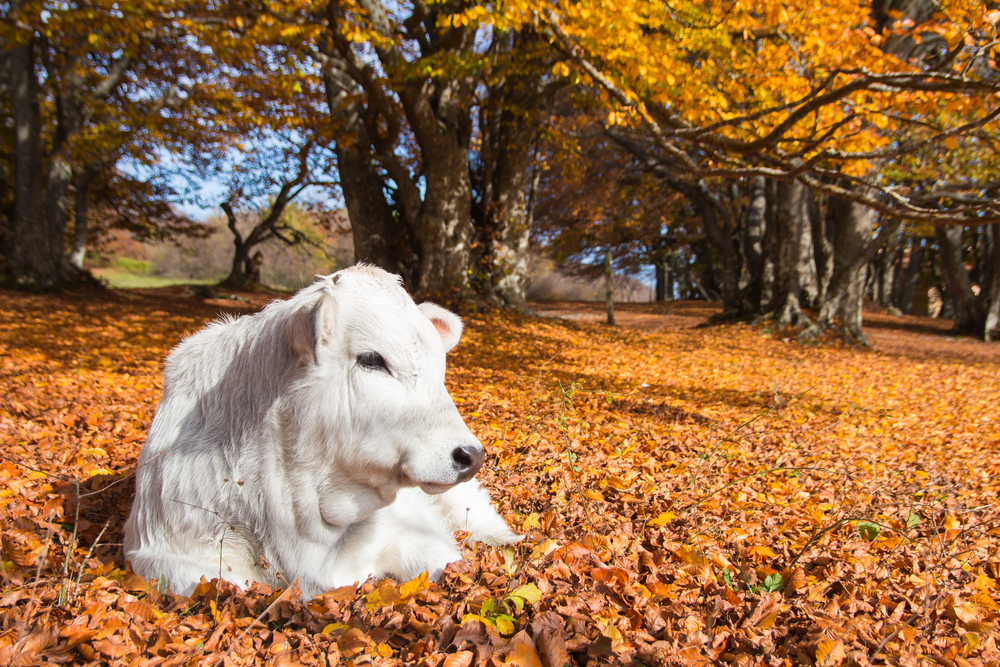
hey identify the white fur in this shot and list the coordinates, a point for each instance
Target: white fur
(276, 455)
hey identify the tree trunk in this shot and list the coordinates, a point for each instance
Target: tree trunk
(34, 262)
(609, 287)
(808, 278)
(769, 245)
(660, 268)
(822, 247)
(81, 225)
(722, 275)
(853, 249)
(851, 226)
(241, 251)
(444, 227)
(753, 246)
(967, 310)
(910, 279)
(786, 307)
(669, 279)
(428, 220)
(509, 125)
(991, 283)
(729, 265)
(381, 231)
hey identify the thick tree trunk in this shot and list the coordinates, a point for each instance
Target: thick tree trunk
(381, 232)
(723, 274)
(35, 257)
(42, 205)
(444, 228)
(910, 278)
(238, 274)
(428, 221)
(439, 115)
(889, 273)
(753, 246)
(853, 249)
(967, 309)
(506, 152)
(991, 284)
(791, 223)
(808, 278)
(769, 245)
(822, 247)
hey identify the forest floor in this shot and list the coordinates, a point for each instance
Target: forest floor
(717, 496)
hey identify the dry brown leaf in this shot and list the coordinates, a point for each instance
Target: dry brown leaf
(522, 651)
(830, 652)
(646, 409)
(460, 659)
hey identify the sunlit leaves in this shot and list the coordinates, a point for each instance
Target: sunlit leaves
(749, 74)
(694, 551)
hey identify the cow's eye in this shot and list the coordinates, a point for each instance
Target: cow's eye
(372, 361)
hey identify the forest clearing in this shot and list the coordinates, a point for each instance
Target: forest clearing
(720, 495)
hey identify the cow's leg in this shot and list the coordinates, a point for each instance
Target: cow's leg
(182, 573)
(468, 506)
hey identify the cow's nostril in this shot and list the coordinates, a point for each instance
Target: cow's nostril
(462, 456)
(468, 459)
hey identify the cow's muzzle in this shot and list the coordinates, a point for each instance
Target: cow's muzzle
(467, 459)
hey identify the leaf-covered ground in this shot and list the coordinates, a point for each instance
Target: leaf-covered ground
(705, 496)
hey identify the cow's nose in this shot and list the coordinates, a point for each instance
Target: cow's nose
(468, 459)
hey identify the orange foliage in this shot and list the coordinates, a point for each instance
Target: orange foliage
(689, 495)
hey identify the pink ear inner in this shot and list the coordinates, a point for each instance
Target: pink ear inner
(441, 327)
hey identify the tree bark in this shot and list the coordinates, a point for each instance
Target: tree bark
(853, 249)
(509, 125)
(968, 312)
(38, 257)
(439, 115)
(34, 262)
(910, 279)
(808, 278)
(786, 305)
(822, 247)
(81, 224)
(660, 269)
(753, 246)
(991, 284)
(381, 231)
(609, 287)
(425, 228)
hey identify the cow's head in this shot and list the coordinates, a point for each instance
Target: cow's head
(374, 372)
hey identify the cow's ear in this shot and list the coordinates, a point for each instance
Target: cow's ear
(301, 333)
(309, 327)
(447, 323)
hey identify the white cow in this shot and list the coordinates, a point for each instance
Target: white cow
(314, 440)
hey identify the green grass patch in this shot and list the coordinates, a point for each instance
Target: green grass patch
(118, 279)
(129, 265)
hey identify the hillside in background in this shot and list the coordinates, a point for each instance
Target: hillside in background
(124, 262)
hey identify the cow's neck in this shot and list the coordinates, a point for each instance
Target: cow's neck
(343, 501)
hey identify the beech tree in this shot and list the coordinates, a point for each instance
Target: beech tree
(435, 110)
(87, 85)
(819, 101)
